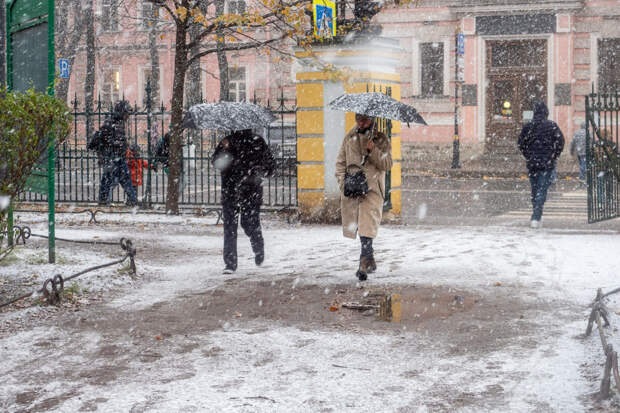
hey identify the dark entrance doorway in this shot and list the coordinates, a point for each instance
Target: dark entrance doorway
(517, 77)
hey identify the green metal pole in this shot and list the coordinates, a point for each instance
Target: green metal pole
(51, 172)
(9, 47)
(9, 77)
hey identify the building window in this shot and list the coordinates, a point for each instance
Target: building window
(236, 92)
(609, 64)
(148, 15)
(236, 6)
(146, 73)
(111, 88)
(109, 15)
(518, 53)
(432, 65)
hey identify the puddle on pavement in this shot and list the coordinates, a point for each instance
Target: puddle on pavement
(292, 301)
(405, 304)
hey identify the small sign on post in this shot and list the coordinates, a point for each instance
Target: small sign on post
(324, 16)
(64, 68)
(460, 44)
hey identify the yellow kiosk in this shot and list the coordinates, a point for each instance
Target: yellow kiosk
(353, 68)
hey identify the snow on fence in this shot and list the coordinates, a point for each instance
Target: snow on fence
(53, 287)
(600, 311)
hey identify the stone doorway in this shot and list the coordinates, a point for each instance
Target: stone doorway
(517, 77)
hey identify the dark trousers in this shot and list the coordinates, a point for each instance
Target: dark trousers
(249, 209)
(116, 171)
(367, 250)
(582, 166)
(539, 181)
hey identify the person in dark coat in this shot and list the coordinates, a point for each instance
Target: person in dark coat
(162, 151)
(578, 149)
(162, 155)
(110, 143)
(541, 142)
(244, 160)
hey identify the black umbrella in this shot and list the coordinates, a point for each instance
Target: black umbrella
(377, 105)
(230, 116)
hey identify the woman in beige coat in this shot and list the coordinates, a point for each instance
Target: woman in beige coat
(366, 149)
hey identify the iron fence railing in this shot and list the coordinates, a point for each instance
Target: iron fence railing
(602, 155)
(78, 173)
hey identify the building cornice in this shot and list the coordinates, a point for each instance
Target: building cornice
(482, 8)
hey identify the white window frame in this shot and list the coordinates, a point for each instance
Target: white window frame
(142, 23)
(417, 68)
(594, 38)
(245, 81)
(101, 12)
(227, 5)
(103, 84)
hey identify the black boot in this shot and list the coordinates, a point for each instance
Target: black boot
(363, 270)
(259, 258)
(371, 264)
(362, 276)
(229, 269)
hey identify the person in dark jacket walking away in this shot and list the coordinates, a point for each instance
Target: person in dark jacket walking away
(578, 149)
(244, 159)
(110, 143)
(541, 142)
(162, 155)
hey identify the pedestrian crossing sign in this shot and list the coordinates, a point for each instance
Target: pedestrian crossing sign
(324, 12)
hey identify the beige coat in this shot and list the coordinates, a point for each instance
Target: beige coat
(363, 215)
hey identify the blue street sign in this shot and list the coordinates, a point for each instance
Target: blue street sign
(461, 44)
(64, 68)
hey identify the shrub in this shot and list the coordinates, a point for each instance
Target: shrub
(26, 121)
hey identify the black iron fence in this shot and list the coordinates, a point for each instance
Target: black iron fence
(602, 155)
(78, 173)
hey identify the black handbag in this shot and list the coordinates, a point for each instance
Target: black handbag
(356, 184)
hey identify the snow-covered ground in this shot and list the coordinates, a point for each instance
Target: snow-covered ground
(160, 344)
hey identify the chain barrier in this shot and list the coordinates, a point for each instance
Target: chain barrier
(217, 211)
(23, 233)
(52, 287)
(93, 213)
(600, 314)
(198, 211)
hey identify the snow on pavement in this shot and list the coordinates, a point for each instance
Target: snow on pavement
(264, 365)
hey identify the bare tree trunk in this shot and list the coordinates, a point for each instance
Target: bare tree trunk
(194, 86)
(155, 93)
(222, 59)
(178, 86)
(89, 84)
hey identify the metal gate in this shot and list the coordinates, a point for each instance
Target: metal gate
(78, 173)
(602, 155)
(385, 126)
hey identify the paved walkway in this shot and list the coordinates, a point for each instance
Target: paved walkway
(560, 205)
(494, 201)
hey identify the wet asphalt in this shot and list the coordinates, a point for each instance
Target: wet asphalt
(477, 201)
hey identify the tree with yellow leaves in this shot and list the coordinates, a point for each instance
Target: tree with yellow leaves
(265, 25)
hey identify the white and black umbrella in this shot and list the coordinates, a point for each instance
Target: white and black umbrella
(228, 116)
(377, 105)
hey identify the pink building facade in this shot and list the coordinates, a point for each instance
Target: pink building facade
(123, 62)
(515, 52)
